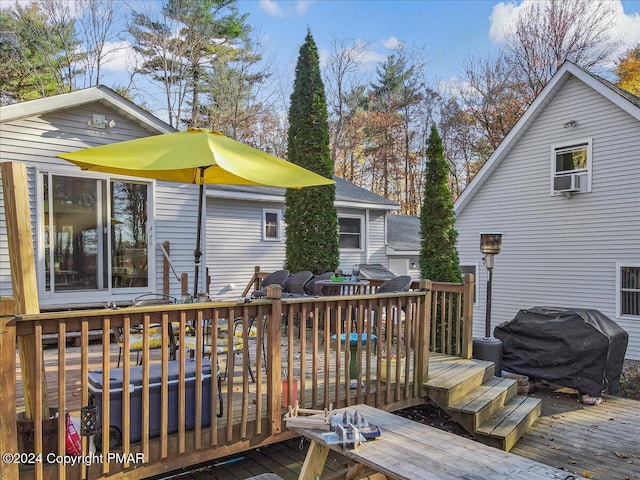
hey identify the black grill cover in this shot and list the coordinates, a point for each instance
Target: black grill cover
(573, 347)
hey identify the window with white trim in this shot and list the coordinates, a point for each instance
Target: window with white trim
(628, 291)
(571, 168)
(271, 221)
(350, 232)
(94, 234)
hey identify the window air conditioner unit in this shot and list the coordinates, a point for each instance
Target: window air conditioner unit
(567, 183)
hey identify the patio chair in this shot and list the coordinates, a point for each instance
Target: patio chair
(136, 334)
(222, 344)
(279, 277)
(401, 283)
(294, 286)
(313, 288)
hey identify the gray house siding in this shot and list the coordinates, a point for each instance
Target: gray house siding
(35, 132)
(235, 243)
(36, 139)
(556, 250)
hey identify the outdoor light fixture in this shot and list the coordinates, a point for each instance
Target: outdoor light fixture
(99, 121)
(489, 348)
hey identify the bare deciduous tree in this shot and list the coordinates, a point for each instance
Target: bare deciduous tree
(97, 29)
(493, 98)
(549, 32)
(340, 77)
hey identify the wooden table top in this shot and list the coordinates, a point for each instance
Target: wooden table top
(413, 451)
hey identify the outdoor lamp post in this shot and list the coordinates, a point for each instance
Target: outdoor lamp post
(488, 347)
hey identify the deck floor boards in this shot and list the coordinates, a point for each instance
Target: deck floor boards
(602, 441)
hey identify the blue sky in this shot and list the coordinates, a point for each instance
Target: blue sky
(450, 30)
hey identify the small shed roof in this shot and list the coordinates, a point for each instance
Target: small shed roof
(403, 233)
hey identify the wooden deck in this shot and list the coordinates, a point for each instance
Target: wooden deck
(602, 441)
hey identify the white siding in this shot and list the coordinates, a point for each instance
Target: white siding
(235, 245)
(36, 140)
(559, 251)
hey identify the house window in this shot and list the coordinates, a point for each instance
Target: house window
(271, 220)
(571, 168)
(350, 232)
(473, 270)
(95, 234)
(628, 290)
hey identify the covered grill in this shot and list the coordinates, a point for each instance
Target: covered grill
(573, 347)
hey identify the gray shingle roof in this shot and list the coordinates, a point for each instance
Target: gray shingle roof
(345, 192)
(403, 232)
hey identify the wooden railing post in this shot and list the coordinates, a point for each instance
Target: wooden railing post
(8, 410)
(467, 322)
(184, 284)
(256, 278)
(425, 331)
(274, 354)
(15, 189)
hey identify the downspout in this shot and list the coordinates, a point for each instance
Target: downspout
(367, 241)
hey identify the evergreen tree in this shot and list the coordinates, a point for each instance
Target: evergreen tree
(209, 31)
(36, 54)
(312, 221)
(438, 254)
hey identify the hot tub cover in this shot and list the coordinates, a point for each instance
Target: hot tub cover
(573, 347)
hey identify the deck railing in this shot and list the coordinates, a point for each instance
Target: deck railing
(166, 414)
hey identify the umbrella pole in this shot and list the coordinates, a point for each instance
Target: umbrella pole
(197, 253)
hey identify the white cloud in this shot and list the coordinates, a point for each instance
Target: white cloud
(627, 27)
(285, 9)
(502, 18)
(120, 57)
(391, 43)
(271, 7)
(371, 56)
(505, 14)
(302, 6)
(367, 60)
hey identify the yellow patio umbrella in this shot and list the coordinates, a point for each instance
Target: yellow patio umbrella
(197, 156)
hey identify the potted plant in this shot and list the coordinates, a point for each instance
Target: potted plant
(391, 357)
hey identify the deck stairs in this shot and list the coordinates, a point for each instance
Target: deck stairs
(487, 406)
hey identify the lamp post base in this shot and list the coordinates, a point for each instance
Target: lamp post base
(490, 349)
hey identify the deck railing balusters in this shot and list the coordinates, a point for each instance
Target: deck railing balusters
(402, 323)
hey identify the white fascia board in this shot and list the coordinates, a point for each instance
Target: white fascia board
(529, 116)
(509, 141)
(280, 199)
(76, 98)
(606, 92)
(245, 196)
(367, 206)
(392, 252)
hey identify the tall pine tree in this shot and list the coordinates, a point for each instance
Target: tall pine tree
(312, 221)
(438, 254)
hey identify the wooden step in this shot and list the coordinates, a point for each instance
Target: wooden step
(505, 427)
(448, 385)
(481, 403)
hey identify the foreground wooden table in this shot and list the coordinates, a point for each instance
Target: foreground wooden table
(412, 451)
